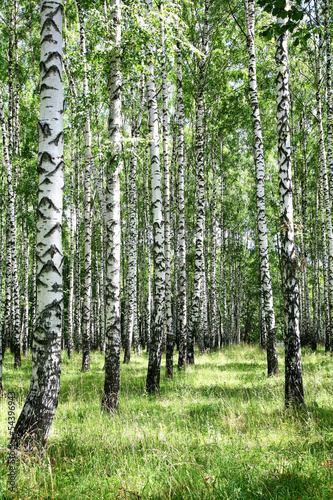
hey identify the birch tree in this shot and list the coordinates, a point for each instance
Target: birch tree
(265, 277)
(35, 420)
(198, 324)
(154, 363)
(181, 299)
(166, 164)
(289, 257)
(86, 312)
(110, 398)
(12, 284)
(132, 235)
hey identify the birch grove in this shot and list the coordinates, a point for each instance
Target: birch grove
(166, 192)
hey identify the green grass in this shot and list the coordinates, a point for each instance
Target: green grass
(219, 430)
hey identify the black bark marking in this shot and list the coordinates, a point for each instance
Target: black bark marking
(46, 200)
(55, 287)
(49, 38)
(54, 12)
(39, 258)
(60, 164)
(56, 227)
(52, 69)
(48, 5)
(53, 55)
(48, 24)
(40, 282)
(46, 181)
(56, 140)
(46, 157)
(45, 129)
(44, 86)
(61, 111)
(40, 170)
(40, 214)
(52, 251)
(48, 267)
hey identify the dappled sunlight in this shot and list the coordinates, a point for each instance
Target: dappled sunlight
(221, 419)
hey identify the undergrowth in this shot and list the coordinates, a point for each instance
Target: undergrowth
(219, 430)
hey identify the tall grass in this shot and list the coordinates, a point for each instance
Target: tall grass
(219, 430)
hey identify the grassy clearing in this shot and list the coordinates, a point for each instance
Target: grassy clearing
(217, 431)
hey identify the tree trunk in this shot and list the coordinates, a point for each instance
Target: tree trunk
(110, 398)
(36, 418)
(325, 199)
(11, 245)
(329, 93)
(154, 363)
(2, 247)
(132, 239)
(86, 313)
(265, 277)
(71, 266)
(25, 340)
(293, 363)
(77, 271)
(181, 298)
(213, 308)
(166, 164)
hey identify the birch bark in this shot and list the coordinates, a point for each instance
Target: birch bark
(265, 277)
(71, 266)
(11, 245)
(182, 298)
(154, 363)
(87, 292)
(132, 238)
(213, 308)
(110, 398)
(327, 33)
(293, 362)
(324, 195)
(166, 164)
(37, 415)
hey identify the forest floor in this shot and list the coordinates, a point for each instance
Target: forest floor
(219, 430)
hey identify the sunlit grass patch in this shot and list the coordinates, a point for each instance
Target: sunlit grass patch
(219, 430)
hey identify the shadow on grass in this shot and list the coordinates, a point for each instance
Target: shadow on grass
(323, 416)
(225, 391)
(289, 485)
(225, 366)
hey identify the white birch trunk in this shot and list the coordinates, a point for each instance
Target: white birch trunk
(182, 297)
(198, 320)
(132, 239)
(154, 363)
(293, 363)
(36, 418)
(25, 340)
(2, 248)
(325, 196)
(102, 289)
(213, 301)
(329, 93)
(86, 312)
(110, 398)
(11, 243)
(77, 276)
(265, 277)
(71, 266)
(168, 326)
